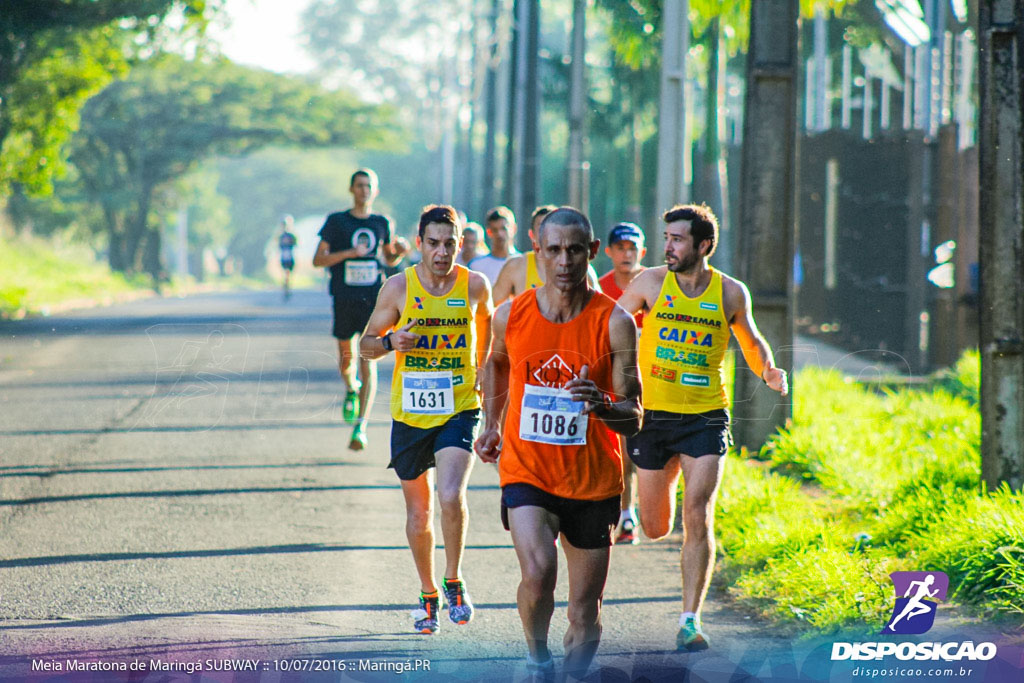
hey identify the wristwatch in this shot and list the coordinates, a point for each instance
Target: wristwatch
(385, 341)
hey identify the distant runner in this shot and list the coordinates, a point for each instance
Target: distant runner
(286, 245)
(350, 244)
(472, 244)
(436, 317)
(626, 249)
(521, 273)
(501, 230)
(563, 364)
(691, 308)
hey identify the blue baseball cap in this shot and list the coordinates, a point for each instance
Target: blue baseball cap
(626, 231)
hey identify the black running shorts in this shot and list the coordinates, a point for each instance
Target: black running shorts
(351, 315)
(413, 448)
(666, 434)
(587, 524)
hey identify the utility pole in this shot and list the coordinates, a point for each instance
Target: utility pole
(578, 108)
(490, 109)
(674, 171)
(512, 137)
(530, 151)
(1001, 182)
(767, 215)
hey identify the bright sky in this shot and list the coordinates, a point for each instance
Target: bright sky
(263, 33)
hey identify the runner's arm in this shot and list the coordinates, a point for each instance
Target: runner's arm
(324, 257)
(504, 286)
(625, 414)
(386, 314)
(480, 292)
(757, 353)
(495, 384)
(634, 298)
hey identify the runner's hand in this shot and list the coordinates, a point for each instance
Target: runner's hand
(403, 339)
(776, 379)
(583, 389)
(488, 445)
(399, 246)
(361, 250)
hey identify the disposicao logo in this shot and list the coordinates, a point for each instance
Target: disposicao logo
(917, 598)
(914, 612)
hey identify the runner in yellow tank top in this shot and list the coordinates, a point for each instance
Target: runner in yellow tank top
(521, 273)
(691, 309)
(436, 317)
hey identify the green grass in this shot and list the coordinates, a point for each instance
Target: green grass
(36, 274)
(866, 482)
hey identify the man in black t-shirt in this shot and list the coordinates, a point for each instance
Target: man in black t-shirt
(352, 245)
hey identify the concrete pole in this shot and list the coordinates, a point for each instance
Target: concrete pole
(490, 109)
(577, 105)
(530, 149)
(674, 159)
(767, 211)
(821, 75)
(1001, 181)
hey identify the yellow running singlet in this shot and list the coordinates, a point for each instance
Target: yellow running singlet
(436, 380)
(533, 279)
(682, 347)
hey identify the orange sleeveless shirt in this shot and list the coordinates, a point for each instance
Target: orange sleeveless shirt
(543, 442)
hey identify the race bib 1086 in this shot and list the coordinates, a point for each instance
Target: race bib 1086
(550, 416)
(428, 393)
(361, 273)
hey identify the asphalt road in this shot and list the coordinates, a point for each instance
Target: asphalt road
(175, 485)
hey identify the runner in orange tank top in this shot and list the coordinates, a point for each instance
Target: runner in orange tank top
(691, 309)
(563, 372)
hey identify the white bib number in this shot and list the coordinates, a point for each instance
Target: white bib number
(361, 273)
(551, 416)
(428, 393)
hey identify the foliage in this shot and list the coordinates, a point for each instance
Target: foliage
(54, 54)
(169, 114)
(860, 485)
(36, 274)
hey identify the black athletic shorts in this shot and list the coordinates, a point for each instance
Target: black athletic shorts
(413, 448)
(665, 434)
(288, 265)
(587, 524)
(351, 315)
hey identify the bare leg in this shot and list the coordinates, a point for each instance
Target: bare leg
(368, 374)
(533, 535)
(657, 492)
(453, 467)
(702, 476)
(588, 570)
(419, 526)
(347, 351)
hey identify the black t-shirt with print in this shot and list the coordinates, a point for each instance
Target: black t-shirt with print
(359, 277)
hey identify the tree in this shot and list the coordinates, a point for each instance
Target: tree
(169, 114)
(54, 55)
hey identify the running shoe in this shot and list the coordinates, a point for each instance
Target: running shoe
(627, 533)
(426, 616)
(543, 671)
(350, 409)
(358, 441)
(460, 607)
(690, 637)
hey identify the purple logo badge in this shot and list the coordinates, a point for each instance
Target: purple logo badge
(917, 595)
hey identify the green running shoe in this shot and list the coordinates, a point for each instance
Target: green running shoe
(358, 441)
(690, 637)
(350, 409)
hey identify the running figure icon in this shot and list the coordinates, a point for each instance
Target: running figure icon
(916, 605)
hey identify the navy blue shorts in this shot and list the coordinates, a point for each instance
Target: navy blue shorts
(587, 524)
(413, 448)
(666, 434)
